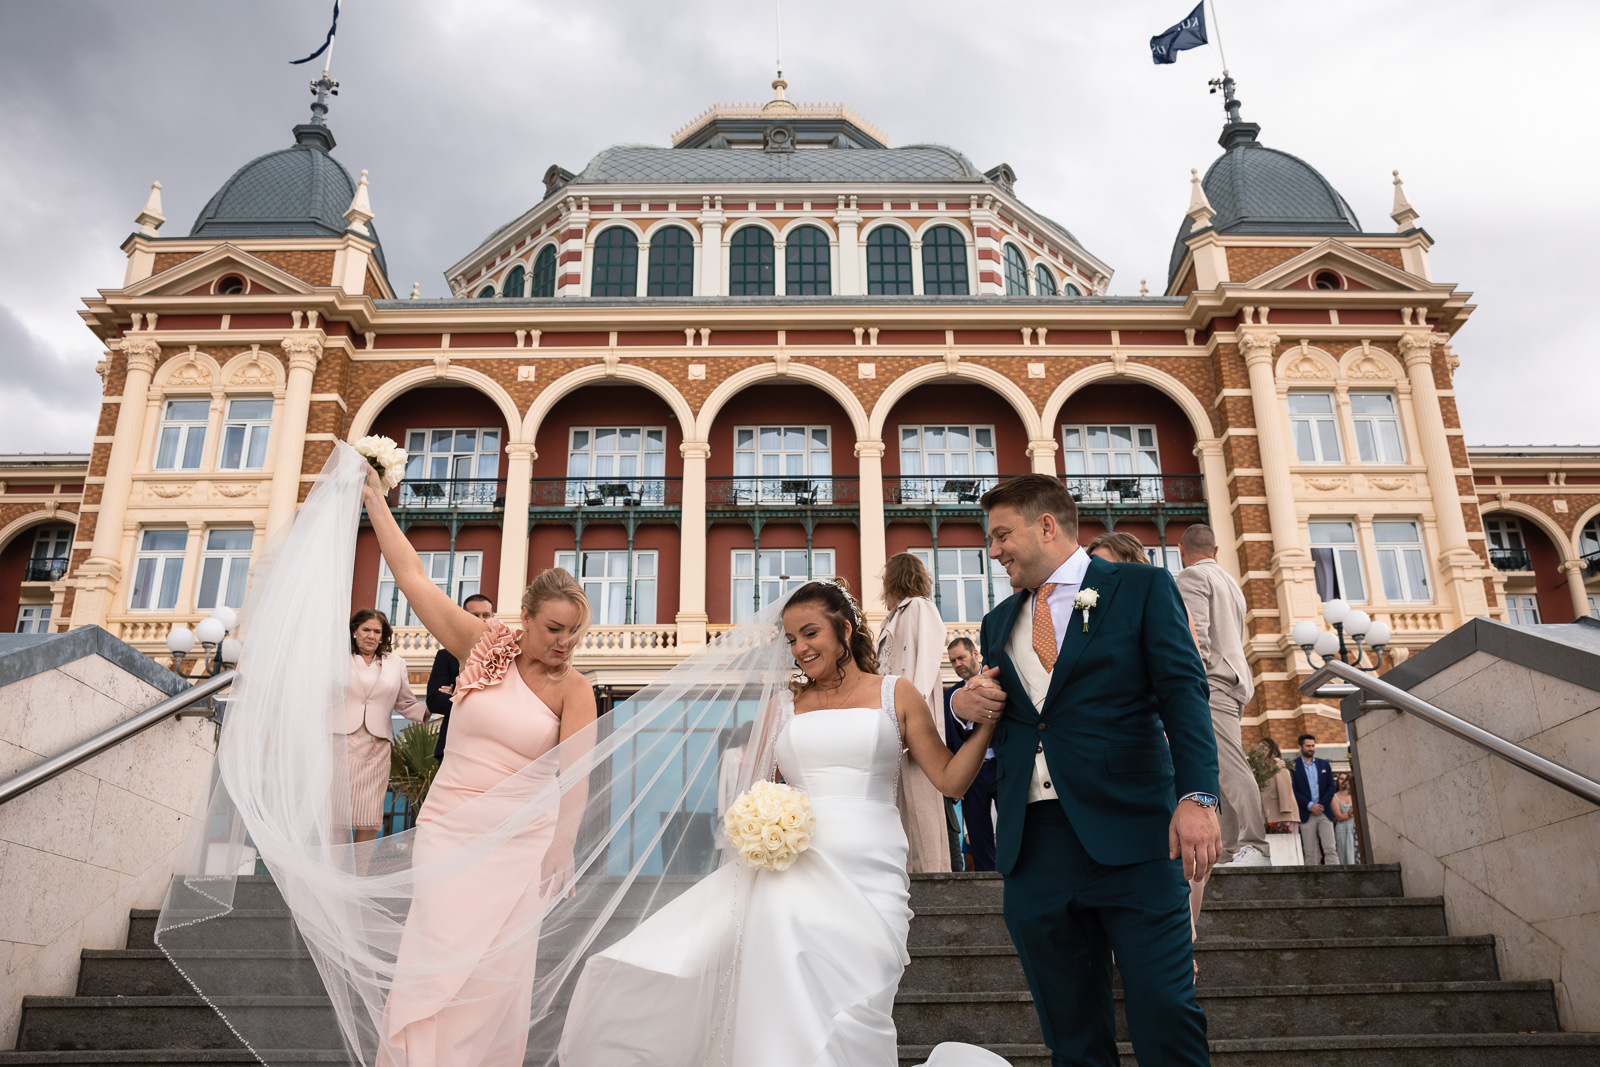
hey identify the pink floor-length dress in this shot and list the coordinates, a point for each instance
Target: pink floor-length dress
(464, 976)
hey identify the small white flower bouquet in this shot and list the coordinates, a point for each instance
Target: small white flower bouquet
(386, 457)
(770, 825)
(1086, 601)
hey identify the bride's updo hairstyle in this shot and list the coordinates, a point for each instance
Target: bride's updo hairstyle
(557, 583)
(839, 608)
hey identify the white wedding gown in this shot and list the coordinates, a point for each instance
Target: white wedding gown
(820, 947)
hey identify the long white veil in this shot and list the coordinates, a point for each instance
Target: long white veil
(642, 789)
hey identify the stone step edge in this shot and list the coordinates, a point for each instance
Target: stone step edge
(174, 1055)
(1330, 1043)
(1226, 905)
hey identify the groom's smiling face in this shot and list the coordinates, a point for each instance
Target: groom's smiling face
(1029, 551)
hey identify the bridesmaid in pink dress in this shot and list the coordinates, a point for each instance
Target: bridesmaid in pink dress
(465, 968)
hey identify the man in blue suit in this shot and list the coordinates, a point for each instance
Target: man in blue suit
(1313, 791)
(976, 805)
(1106, 769)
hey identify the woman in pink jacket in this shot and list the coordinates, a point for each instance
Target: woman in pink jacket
(378, 687)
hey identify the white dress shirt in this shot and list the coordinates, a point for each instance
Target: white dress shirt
(1068, 579)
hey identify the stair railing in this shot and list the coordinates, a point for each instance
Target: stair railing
(41, 773)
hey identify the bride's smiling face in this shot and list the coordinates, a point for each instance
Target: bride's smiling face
(813, 641)
(551, 631)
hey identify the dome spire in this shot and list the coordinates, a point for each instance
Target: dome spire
(1236, 133)
(360, 210)
(150, 219)
(1404, 215)
(1200, 209)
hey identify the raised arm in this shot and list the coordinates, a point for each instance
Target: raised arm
(456, 628)
(951, 773)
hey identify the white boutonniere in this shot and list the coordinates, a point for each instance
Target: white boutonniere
(1085, 602)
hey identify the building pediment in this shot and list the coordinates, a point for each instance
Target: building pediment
(200, 273)
(1351, 264)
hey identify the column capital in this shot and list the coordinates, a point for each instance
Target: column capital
(1044, 446)
(1257, 346)
(520, 450)
(141, 353)
(695, 449)
(869, 450)
(304, 353)
(1574, 567)
(1417, 348)
(1209, 446)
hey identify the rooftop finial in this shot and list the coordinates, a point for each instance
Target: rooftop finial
(1200, 209)
(324, 86)
(150, 219)
(359, 212)
(1236, 132)
(1404, 215)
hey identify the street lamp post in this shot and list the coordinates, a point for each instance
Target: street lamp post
(211, 633)
(1370, 638)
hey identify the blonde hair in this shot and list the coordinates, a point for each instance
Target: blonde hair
(1126, 547)
(905, 577)
(557, 583)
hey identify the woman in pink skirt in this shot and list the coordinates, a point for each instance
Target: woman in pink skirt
(378, 687)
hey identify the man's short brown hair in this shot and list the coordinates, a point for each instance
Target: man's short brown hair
(1199, 539)
(962, 642)
(1033, 495)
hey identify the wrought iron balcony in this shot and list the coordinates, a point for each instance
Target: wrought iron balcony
(1591, 564)
(1136, 491)
(607, 492)
(805, 491)
(939, 490)
(449, 494)
(1511, 559)
(45, 570)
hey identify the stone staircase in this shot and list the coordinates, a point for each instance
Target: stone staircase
(1388, 986)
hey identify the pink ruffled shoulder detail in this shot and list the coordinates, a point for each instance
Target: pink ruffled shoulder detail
(493, 655)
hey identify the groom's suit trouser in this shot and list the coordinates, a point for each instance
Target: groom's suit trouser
(1068, 914)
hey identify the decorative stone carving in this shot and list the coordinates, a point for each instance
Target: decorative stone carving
(1036, 370)
(1306, 367)
(867, 370)
(1257, 345)
(1368, 369)
(780, 361)
(951, 358)
(103, 368)
(304, 353)
(170, 490)
(1119, 361)
(141, 354)
(611, 361)
(1418, 347)
(1328, 485)
(441, 364)
(255, 371)
(234, 490)
(190, 373)
(1390, 485)
(697, 372)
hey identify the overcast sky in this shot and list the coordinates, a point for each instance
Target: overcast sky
(458, 107)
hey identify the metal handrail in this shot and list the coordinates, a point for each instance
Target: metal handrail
(41, 773)
(1394, 696)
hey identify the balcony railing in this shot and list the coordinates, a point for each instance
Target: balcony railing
(45, 570)
(1591, 564)
(927, 490)
(606, 492)
(817, 490)
(1136, 490)
(463, 494)
(1511, 559)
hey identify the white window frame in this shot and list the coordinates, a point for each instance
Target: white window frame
(425, 486)
(186, 436)
(1589, 537)
(742, 587)
(1402, 565)
(1346, 558)
(586, 484)
(1310, 429)
(964, 580)
(963, 472)
(1379, 438)
(55, 541)
(458, 585)
(253, 433)
(1139, 482)
(1594, 606)
(33, 618)
(755, 484)
(1173, 562)
(157, 569)
(1522, 609)
(601, 588)
(227, 568)
(1504, 533)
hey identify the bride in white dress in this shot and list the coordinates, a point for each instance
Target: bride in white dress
(793, 968)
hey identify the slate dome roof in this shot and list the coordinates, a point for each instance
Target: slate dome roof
(300, 191)
(647, 164)
(1256, 189)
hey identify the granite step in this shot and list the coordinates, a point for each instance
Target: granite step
(1227, 883)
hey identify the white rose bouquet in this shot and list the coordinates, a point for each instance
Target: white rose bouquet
(386, 457)
(770, 825)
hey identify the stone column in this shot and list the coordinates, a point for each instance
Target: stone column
(1457, 560)
(514, 526)
(711, 220)
(1575, 587)
(1042, 456)
(848, 219)
(874, 543)
(692, 547)
(289, 450)
(100, 574)
(1291, 563)
(780, 267)
(1214, 474)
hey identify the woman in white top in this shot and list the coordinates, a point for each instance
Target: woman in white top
(912, 645)
(378, 687)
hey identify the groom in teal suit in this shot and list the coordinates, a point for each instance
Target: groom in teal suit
(1106, 767)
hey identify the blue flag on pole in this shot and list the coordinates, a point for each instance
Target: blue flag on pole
(1190, 33)
(335, 28)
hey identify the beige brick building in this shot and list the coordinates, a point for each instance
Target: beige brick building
(780, 348)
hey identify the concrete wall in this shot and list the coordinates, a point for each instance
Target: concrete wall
(79, 851)
(1512, 855)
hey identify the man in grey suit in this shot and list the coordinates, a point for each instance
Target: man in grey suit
(1216, 609)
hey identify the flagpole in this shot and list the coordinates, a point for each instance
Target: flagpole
(1217, 24)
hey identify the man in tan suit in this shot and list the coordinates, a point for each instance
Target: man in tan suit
(1216, 609)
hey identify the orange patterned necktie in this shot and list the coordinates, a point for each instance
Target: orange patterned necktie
(1044, 627)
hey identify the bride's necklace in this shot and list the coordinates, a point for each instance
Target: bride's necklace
(839, 691)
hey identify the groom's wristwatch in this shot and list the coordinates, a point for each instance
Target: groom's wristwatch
(1205, 800)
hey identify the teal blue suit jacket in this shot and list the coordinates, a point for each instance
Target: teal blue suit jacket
(1115, 691)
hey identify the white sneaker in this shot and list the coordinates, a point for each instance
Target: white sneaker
(1250, 856)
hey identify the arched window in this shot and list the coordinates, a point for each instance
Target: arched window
(944, 262)
(1044, 281)
(1071, 290)
(616, 263)
(889, 262)
(752, 269)
(671, 263)
(515, 278)
(487, 290)
(544, 272)
(808, 270)
(1016, 272)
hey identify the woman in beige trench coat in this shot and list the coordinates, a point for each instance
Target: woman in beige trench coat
(912, 645)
